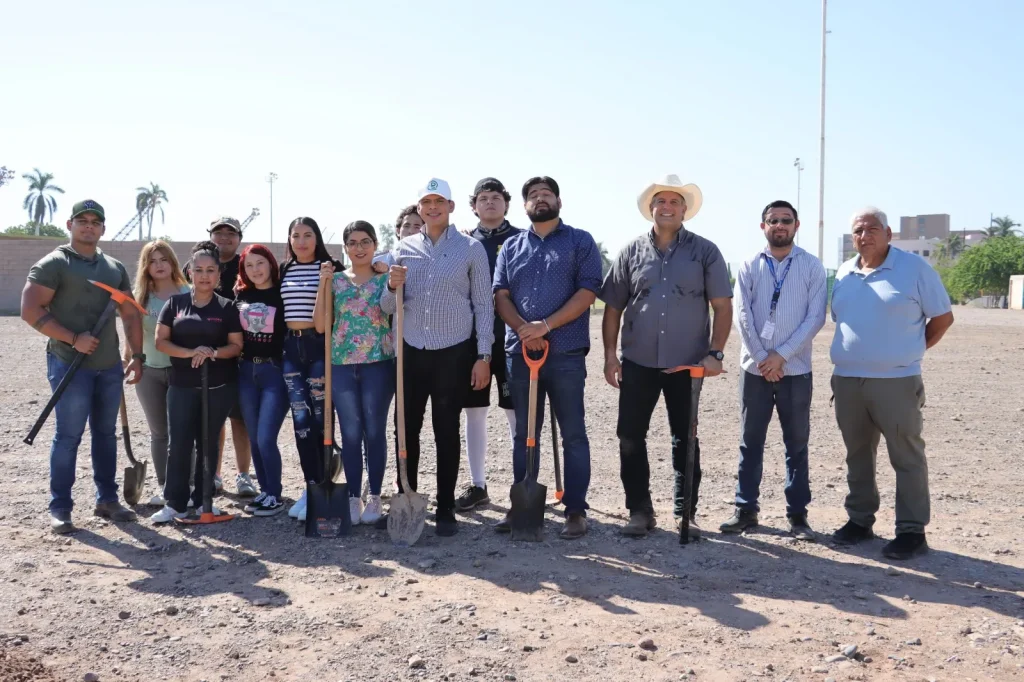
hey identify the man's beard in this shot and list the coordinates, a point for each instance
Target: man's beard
(541, 215)
(780, 240)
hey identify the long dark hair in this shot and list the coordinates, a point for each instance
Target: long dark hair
(320, 253)
(243, 282)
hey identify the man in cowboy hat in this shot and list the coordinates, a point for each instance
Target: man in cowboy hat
(662, 282)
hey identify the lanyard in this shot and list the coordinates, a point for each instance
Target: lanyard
(778, 282)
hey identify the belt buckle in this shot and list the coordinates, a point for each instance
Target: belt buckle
(257, 361)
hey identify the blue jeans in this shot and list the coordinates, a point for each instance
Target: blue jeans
(304, 377)
(94, 396)
(759, 397)
(362, 397)
(562, 378)
(263, 400)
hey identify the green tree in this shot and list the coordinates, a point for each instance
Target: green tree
(951, 248)
(40, 202)
(985, 270)
(1002, 227)
(385, 238)
(34, 230)
(606, 262)
(147, 201)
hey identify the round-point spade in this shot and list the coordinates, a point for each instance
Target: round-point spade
(528, 497)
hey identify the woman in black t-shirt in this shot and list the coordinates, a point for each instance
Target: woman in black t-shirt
(262, 394)
(196, 328)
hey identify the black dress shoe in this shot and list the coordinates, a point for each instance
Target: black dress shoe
(905, 546)
(851, 534)
(445, 524)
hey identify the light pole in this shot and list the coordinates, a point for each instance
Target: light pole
(799, 167)
(821, 151)
(270, 180)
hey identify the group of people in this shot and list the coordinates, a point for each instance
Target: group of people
(472, 300)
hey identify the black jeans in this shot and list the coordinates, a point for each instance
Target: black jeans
(638, 395)
(185, 417)
(442, 376)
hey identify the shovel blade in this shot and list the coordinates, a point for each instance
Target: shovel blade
(134, 482)
(406, 517)
(526, 518)
(327, 510)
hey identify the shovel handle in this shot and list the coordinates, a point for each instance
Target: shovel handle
(403, 453)
(125, 435)
(535, 364)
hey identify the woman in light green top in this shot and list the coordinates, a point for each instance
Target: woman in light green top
(157, 277)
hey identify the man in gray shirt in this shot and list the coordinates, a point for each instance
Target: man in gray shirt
(662, 283)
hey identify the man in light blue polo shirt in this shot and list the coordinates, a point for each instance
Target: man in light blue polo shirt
(889, 306)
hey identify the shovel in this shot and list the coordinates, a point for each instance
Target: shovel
(327, 512)
(528, 497)
(696, 380)
(134, 475)
(408, 509)
(559, 491)
(207, 515)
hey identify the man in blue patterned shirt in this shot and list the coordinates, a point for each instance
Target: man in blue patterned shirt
(545, 281)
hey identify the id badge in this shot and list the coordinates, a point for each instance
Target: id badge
(768, 332)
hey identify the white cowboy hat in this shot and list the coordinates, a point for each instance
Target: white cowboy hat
(671, 183)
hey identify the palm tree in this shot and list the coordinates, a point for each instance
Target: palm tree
(1002, 227)
(39, 201)
(606, 262)
(148, 200)
(952, 247)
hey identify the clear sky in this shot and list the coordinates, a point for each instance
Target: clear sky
(354, 105)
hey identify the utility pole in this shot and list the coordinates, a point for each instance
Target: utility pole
(270, 180)
(799, 167)
(821, 151)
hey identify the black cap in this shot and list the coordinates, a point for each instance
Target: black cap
(489, 185)
(550, 182)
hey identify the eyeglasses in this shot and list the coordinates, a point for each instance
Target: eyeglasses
(364, 243)
(777, 221)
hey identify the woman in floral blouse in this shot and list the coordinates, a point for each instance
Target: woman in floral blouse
(362, 365)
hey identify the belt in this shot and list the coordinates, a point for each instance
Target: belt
(309, 331)
(258, 360)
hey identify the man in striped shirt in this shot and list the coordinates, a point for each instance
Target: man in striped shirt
(781, 294)
(447, 296)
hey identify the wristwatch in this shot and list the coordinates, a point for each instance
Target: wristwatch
(139, 356)
(485, 357)
(716, 354)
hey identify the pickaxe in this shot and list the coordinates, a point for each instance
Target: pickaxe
(116, 298)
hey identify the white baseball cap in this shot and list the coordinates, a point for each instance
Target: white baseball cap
(435, 186)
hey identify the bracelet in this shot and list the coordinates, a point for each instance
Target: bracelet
(546, 325)
(74, 340)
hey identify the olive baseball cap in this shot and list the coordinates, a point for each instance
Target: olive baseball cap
(88, 206)
(226, 221)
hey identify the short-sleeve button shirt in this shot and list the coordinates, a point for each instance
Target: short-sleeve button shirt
(664, 298)
(542, 274)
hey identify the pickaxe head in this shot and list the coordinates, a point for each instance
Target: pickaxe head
(119, 297)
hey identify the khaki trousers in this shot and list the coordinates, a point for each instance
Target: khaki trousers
(867, 409)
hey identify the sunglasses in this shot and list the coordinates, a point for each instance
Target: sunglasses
(779, 221)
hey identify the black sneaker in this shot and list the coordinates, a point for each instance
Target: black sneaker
(503, 526)
(60, 522)
(851, 534)
(741, 520)
(445, 524)
(382, 522)
(269, 506)
(905, 546)
(472, 497)
(254, 504)
(799, 528)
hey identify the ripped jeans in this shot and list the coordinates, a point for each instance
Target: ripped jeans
(304, 377)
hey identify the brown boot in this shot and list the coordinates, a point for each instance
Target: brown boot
(114, 511)
(639, 524)
(575, 527)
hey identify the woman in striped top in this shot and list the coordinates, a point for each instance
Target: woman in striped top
(303, 361)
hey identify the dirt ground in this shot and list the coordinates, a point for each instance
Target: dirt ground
(254, 600)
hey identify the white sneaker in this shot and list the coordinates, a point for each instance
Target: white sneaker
(166, 515)
(218, 483)
(373, 511)
(244, 485)
(355, 509)
(298, 507)
(302, 514)
(157, 501)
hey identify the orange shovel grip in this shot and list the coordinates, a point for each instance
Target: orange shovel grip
(696, 371)
(533, 364)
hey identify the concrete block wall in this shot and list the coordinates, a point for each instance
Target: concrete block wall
(17, 254)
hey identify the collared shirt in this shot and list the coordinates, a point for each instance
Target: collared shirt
(880, 315)
(541, 274)
(799, 312)
(447, 291)
(664, 298)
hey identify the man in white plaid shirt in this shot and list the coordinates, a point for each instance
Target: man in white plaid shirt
(447, 295)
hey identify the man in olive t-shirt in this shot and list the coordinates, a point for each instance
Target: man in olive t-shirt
(60, 302)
